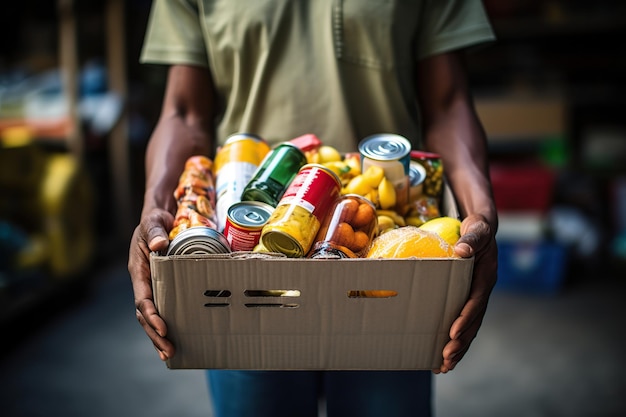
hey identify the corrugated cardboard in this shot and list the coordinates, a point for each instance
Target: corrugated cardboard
(217, 319)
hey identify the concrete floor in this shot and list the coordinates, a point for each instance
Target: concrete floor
(536, 355)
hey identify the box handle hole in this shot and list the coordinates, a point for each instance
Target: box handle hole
(272, 293)
(271, 305)
(217, 293)
(372, 293)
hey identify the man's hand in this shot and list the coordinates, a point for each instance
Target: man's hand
(149, 236)
(477, 239)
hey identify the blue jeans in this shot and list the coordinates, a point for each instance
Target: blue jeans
(296, 393)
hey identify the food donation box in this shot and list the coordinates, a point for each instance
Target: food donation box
(261, 311)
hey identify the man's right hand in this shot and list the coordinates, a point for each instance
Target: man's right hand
(150, 236)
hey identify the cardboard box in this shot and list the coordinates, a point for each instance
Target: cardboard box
(225, 311)
(522, 117)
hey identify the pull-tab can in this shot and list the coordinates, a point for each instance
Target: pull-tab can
(198, 240)
(244, 223)
(392, 153)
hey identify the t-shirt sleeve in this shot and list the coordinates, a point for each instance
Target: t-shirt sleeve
(452, 24)
(174, 34)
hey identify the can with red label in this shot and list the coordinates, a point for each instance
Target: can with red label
(244, 223)
(235, 164)
(297, 218)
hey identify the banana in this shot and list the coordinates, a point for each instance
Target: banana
(397, 219)
(385, 223)
(386, 194)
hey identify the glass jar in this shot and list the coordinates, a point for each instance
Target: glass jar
(348, 230)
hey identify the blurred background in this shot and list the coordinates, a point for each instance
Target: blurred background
(76, 111)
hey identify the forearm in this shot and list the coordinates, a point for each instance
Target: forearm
(172, 142)
(184, 129)
(453, 130)
(457, 135)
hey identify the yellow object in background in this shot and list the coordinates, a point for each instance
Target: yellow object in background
(67, 205)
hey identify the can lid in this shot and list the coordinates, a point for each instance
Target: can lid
(242, 136)
(417, 173)
(277, 241)
(198, 240)
(385, 147)
(250, 213)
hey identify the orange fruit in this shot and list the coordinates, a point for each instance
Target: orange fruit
(410, 241)
(364, 216)
(344, 235)
(359, 242)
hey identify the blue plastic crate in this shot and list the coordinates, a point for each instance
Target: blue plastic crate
(531, 267)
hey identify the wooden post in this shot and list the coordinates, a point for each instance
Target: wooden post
(68, 62)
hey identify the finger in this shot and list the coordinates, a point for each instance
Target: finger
(475, 234)
(156, 226)
(155, 328)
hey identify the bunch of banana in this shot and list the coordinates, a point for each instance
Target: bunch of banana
(373, 185)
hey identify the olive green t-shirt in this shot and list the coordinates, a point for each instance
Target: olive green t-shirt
(340, 69)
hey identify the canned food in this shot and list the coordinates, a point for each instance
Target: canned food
(195, 196)
(273, 176)
(392, 153)
(198, 241)
(235, 164)
(244, 223)
(432, 163)
(348, 230)
(417, 175)
(299, 214)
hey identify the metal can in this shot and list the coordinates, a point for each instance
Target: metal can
(234, 166)
(271, 179)
(391, 152)
(348, 230)
(417, 175)
(244, 223)
(433, 165)
(198, 241)
(297, 218)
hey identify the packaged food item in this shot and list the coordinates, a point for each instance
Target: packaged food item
(198, 240)
(417, 175)
(235, 164)
(309, 144)
(433, 165)
(273, 176)
(300, 212)
(347, 230)
(244, 223)
(410, 242)
(392, 153)
(195, 196)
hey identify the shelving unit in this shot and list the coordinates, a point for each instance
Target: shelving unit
(68, 205)
(552, 80)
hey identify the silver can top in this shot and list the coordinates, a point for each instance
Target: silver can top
(198, 241)
(417, 174)
(253, 214)
(385, 147)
